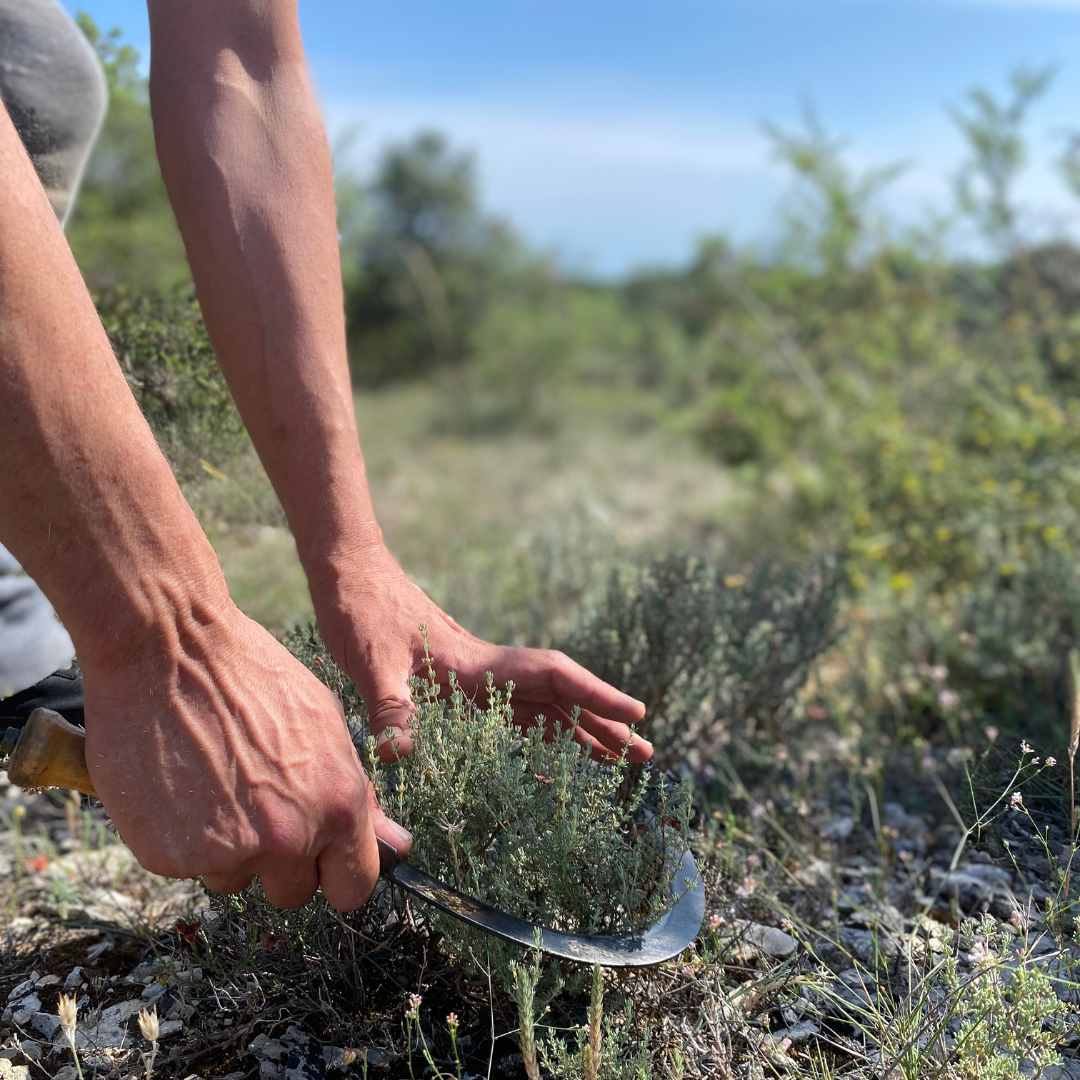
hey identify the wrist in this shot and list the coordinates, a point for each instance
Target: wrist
(335, 573)
(135, 602)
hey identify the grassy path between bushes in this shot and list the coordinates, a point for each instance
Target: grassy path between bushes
(482, 523)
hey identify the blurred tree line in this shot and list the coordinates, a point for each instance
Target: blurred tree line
(421, 261)
(874, 394)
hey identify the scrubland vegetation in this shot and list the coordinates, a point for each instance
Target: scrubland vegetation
(816, 505)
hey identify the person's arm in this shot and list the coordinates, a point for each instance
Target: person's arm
(247, 166)
(215, 752)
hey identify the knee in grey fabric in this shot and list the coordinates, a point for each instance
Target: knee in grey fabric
(54, 89)
(33, 644)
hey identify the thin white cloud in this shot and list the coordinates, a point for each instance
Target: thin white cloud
(603, 191)
(610, 190)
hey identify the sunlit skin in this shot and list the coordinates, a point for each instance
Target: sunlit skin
(214, 751)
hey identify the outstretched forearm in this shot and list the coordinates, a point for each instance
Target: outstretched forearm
(215, 752)
(247, 166)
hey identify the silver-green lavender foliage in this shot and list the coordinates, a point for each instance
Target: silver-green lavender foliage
(530, 826)
(708, 652)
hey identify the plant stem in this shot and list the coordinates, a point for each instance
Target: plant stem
(596, 1013)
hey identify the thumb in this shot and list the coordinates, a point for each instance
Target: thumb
(397, 836)
(390, 708)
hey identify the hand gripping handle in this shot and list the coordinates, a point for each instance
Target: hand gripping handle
(50, 753)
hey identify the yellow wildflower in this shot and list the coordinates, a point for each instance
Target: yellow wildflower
(902, 582)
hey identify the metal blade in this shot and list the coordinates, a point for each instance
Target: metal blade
(661, 941)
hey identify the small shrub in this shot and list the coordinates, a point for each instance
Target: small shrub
(525, 821)
(169, 363)
(708, 651)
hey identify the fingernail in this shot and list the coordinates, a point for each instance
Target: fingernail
(391, 737)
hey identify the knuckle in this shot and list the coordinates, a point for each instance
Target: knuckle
(560, 663)
(284, 839)
(388, 708)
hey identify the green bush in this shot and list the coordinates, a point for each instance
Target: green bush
(713, 655)
(166, 356)
(521, 820)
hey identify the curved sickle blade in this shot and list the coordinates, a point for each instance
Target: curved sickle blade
(661, 941)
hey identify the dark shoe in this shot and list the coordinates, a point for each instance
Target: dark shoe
(62, 691)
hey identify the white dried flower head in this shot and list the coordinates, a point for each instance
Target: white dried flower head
(67, 1009)
(413, 1011)
(1016, 800)
(148, 1025)
(748, 887)
(1051, 762)
(947, 700)
(1024, 747)
(1019, 918)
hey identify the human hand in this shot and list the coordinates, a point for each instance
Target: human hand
(369, 614)
(218, 755)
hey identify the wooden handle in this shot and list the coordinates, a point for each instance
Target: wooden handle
(50, 753)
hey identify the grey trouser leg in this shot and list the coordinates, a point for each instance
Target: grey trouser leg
(33, 644)
(54, 90)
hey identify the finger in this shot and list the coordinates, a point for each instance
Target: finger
(394, 740)
(557, 719)
(232, 881)
(386, 828)
(390, 708)
(616, 738)
(539, 670)
(349, 865)
(609, 734)
(289, 883)
(529, 714)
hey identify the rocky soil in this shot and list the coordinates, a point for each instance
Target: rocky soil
(812, 952)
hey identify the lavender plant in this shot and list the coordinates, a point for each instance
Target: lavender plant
(708, 651)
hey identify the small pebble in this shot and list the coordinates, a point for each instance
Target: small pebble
(21, 990)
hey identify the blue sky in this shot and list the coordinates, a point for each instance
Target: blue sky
(616, 132)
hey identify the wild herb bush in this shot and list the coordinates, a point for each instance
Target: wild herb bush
(521, 819)
(524, 821)
(166, 356)
(712, 654)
